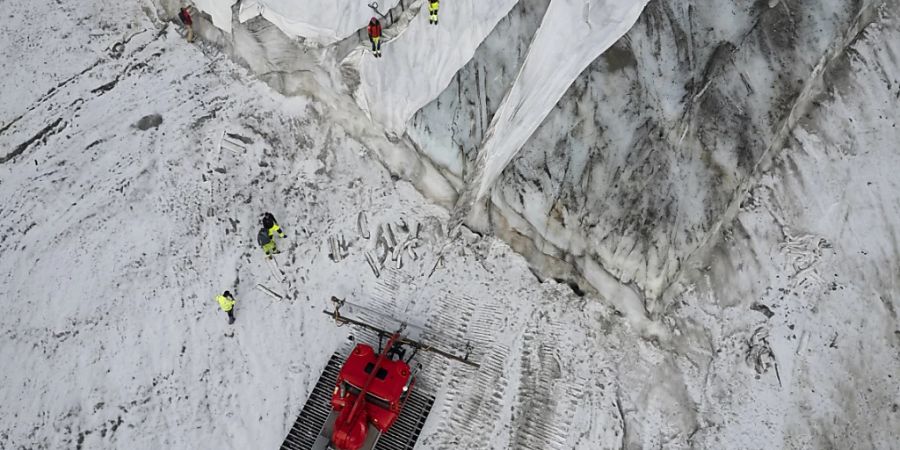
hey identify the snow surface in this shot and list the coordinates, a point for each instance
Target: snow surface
(321, 23)
(122, 215)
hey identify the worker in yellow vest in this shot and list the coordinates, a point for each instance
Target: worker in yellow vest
(271, 225)
(226, 302)
(266, 235)
(267, 242)
(433, 11)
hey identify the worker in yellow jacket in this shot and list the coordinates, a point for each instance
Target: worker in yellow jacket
(433, 11)
(271, 225)
(226, 302)
(266, 235)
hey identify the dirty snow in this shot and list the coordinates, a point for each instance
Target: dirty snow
(133, 175)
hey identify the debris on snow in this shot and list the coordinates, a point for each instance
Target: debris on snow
(765, 310)
(759, 353)
(149, 121)
(362, 225)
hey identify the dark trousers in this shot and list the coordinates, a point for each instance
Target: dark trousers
(230, 316)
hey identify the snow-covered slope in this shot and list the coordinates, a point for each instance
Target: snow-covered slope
(813, 245)
(123, 220)
(719, 182)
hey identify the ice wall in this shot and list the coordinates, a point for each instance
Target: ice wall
(572, 35)
(813, 248)
(649, 149)
(419, 64)
(320, 22)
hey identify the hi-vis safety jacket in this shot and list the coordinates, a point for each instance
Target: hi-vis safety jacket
(226, 303)
(432, 7)
(275, 229)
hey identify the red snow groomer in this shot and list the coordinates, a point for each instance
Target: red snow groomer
(373, 401)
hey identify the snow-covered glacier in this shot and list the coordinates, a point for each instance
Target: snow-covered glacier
(702, 192)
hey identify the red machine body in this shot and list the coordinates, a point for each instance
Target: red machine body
(370, 390)
(373, 403)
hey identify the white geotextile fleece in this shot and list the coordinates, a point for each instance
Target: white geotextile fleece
(572, 34)
(219, 10)
(321, 21)
(419, 64)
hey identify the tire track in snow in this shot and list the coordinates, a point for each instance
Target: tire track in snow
(41, 138)
(449, 323)
(546, 399)
(384, 299)
(466, 398)
(470, 400)
(62, 84)
(49, 102)
(481, 402)
(473, 404)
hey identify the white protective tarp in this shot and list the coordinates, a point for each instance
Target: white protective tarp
(321, 22)
(572, 35)
(418, 65)
(218, 10)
